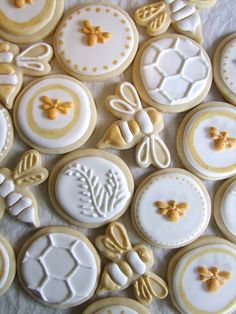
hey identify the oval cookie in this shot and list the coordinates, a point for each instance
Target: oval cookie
(224, 208)
(7, 265)
(59, 267)
(224, 68)
(91, 187)
(96, 42)
(206, 141)
(172, 60)
(116, 305)
(23, 21)
(55, 114)
(179, 208)
(6, 132)
(202, 277)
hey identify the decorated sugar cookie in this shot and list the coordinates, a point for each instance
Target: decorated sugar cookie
(55, 114)
(91, 188)
(27, 21)
(96, 41)
(59, 267)
(180, 14)
(129, 265)
(116, 305)
(7, 265)
(224, 208)
(6, 132)
(138, 126)
(202, 277)
(206, 141)
(225, 68)
(33, 61)
(178, 203)
(15, 195)
(170, 61)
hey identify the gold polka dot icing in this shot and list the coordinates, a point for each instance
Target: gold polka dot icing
(96, 42)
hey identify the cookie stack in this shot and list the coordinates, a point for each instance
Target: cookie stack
(90, 188)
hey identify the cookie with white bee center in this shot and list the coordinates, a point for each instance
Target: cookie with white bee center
(172, 73)
(206, 141)
(90, 187)
(27, 21)
(6, 132)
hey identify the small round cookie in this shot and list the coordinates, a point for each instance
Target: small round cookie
(59, 267)
(91, 187)
(27, 21)
(179, 208)
(202, 277)
(224, 68)
(96, 41)
(6, 132)
(206, 141)
(116, 305)
(224, 208)
(172, 60)
(55, 114)
(7, 265)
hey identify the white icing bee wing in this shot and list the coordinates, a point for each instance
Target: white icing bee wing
(152, 150)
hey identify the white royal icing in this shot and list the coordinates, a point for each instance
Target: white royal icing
(203, 143)
(99, 59)
(5, 262)
(63, 89)
(117, 275)
(116, 309)
(5, 131)
(158, 228)
(190, 293)
(8, 79)
(227, 208)
(92, 189)
(60, 269)
(136, 263)
(169, 62)
(6, 57)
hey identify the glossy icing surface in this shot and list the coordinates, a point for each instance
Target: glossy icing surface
(5, 131)
(227, 208)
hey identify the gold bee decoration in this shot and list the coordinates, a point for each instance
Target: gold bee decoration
(213, 277)
(21, 3)
(54, 106)
(172, 209)
(95, 34)
(222, 139)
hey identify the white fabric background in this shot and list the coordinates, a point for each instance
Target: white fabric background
(217, 22)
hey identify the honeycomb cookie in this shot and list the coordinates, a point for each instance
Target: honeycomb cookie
(206, 141)
(7, 265)
(27, 21)
(178, 203)
(96, 41)
(116, 305)
(90, 187)
(202, 278)
(59, 267)
(6, 132)
(172, 60)
(55, 114)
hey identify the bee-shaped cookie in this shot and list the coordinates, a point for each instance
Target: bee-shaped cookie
(32, 61)
(138, 126)
(15, 196)
(130, 265)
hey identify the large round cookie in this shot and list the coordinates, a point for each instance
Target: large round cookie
(96, 41)
(202, 277)
(206, 141)
(6, 132)
(171, 208)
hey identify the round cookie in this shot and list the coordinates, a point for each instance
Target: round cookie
(224, 208)
(172, 60)
(55, 114)
(116, 305)
(179, 208)
(59, 267)
(6, 132)
(96, 41)
(24, 21)
(206, 141)
(7, 265)
(202, 277)
(224, 68)
(91, 187)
